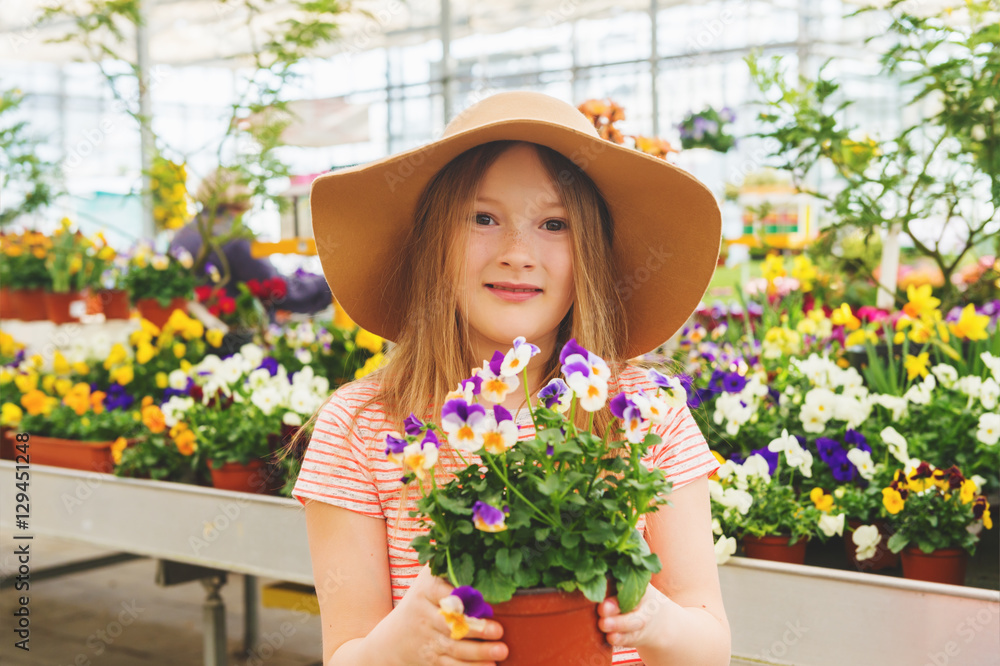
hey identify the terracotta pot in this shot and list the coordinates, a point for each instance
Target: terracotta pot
(946, 565)
(71, 453)
(7, 310)
(29, 304)
(57, 305)
(113, 303)
(6, 444)
(883, 557)
(151, 309)
(548, 626)
(775, 548)
(249, 478)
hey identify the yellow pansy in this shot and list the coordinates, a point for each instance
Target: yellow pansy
(144, 353)
(10, 414)
(161, 380)
(117, 448)
(214, 337)
(26, 381)
(970, 326)
(892, 500)
(920, 301)
(821, 499)
(194, 330)
(123, 375)
(59, 364)
(806, 327)
(97, 401)
(370, 365)
(81, 368)
(916, 365)
(37, 360)
(968, 491)
(49, 384)
(179, 350)
(368, 340)
(63, 386)
(117, 355)
(843, 316)
(185, 365)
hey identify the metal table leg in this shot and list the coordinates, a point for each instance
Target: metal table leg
(214, 622)
(251, 613)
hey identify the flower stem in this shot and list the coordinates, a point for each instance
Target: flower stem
(544, 516)
(527, 396)
(451, 571)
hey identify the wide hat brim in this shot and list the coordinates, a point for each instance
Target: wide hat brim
(667, 224)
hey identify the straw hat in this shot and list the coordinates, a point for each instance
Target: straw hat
(668, 227)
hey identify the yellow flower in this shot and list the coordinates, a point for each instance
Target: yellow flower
(370, 365)
(823, 501)
(185, 365)
(921, 303)
(179, 350)
(117, 355)
(140, 336)
(136, 416)
(916, 365)
(97, 401)
(123, 375)
(49, 384)
(186, 442)
(804, 271)
(63, 385)
(80, 368)
(161, 380)
(37, 360)
(153, 419)
(369, 341)
(145, 353)
(194, 330)
(116, 449)
(858, 338)
(10, 414)
(892, 500)
(59, 364)
(214, 337)
(27, 381)
(920, 333)
(85, 422)
(843, 316)
(34, 401)
(806, 327)
(773, 267)
(6, 376)
(970, 326)
(968, 491)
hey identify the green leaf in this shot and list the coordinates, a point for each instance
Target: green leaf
(494, 586)
(508, 561)
(569, 539)
(464, 569)
(599, 533)
(451, 505)
(549, 484)
(595, 589)
(631, 586)
(898, 542)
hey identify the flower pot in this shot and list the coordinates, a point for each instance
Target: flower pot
(7, 310)
(57, 305)
(113, 303)
(946, 565)
(548, 626)
(151, 309)
(775, 548)
(70, 453)
(249, 478)
(29, 304)
(883, 557)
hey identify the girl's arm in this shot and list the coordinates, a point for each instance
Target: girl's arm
(681, 619)
(360, 626)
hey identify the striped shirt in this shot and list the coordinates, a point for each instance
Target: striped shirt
(349, 469)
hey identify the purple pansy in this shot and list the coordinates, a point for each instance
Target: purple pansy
(476, 382)
(270, 364)
(501, 414)
(571, 348)
(553, 392)
(473, 604)
(412, 425)
(733, 382)
(488, 518)
(394, 445)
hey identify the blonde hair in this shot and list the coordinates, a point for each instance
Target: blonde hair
(433, 352)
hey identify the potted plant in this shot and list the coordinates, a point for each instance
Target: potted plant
(76, 431)
(169, 450)
(936, 516)
(706, 129)
(759, 501)
(579, 494)
(65, 264)
(159, 284)
(103, 280)
(26, 276)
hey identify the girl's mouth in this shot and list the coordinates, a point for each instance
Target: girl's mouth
(511, 294)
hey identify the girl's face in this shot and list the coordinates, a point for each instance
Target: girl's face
(519, 261)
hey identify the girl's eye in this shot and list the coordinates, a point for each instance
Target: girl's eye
(480, 217)
(559, 225)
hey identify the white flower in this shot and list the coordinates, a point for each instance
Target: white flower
(516, 359)
(970, 385)
(418, 458)
(724, 548)
(896, 444)
(979, 481)
(177, 380)
(737, 499)
(462, 393)
(498, 437)
(853, 410)
(812, 419)
(993, 363)
(783, 443)
(716, 526)
(866, 538)
(292, 419)
(230, 370)
(832, 525)
(978, 132)
(989, 392)
(160, 262)
(258, 378)
(804, 462)
(303, 401)
(265, 399)
(946, 374)
(989, 428)
(465, 435)
(252, 354)
(652, 408)
(918, 394)
(495, 388)
(715, 490)
(727, 469)
(185, 259)
(592, 390)
(175, 408)
(304, 356)
(862, 460)
(897, 405)
(756, 465)
(306, 333)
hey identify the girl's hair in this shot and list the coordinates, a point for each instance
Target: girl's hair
(433, 351)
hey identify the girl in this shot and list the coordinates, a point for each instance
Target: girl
(520, 221)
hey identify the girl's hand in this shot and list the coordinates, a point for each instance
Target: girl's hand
(645, 624)
(420, 636)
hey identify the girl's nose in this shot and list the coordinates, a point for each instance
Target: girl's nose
(516, 248)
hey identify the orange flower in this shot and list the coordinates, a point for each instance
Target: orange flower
(117, 448)
(186, 443)
(153, 418)
(34, 401)
(97, 401)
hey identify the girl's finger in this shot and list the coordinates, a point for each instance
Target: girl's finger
(466, 651)
(608, 607)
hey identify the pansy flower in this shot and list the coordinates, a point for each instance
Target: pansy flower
(394, 447)
(464, 610)
(419, 457)
(652, 407)
(587, 374)
(631, 415)
(671, 389)
(556, 395)
(488, 518)
(412, 425)
(516, 359)
(464, 424)
(500, 431)
(494, 384)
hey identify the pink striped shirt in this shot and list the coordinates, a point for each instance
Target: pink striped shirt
(349, 469)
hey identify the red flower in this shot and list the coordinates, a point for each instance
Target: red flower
(214, 310)
(277, 288)
(228, 304)
(254, 287)
(203, 293)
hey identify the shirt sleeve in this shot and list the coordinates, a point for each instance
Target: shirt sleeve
(683, 455)
(335, 466)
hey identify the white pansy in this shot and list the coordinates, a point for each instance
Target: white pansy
(266, 400)
(812, 419)
(832, 525)
(462, 393)
(651, 406)
(946, 374)
(175, 408)
(303, 401)
(253, 354)
(715, 490)
(896, 444)
(185, 259)
(993, 363)
(160, 262)
(862, 460)
(895, 404)
(910, 465)
(292, 419)
(716, 526)
(724, 549)
(756, 465)
(675, 395)
(231, 370)
(970, 385)
(591, 390)
(989, 393)
(727, 469)
(918, 394)
(258, 379)
(866, 539)
(304, 377)
(304, 356)
(177, 380)
(516, 359)
(495, 388)
(734, 498)
(852, 410)
(307, 335)
(498, 437)
(989, 428)
(979, 481)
